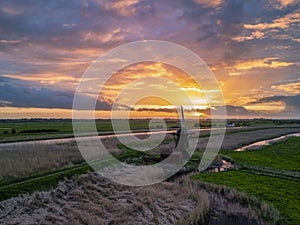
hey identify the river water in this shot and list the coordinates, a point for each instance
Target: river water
(72, 139)
(260, 144)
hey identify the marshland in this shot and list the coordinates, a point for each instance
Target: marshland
(50, 182)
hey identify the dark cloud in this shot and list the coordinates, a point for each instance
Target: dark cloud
(166, 110)
(17, 93)
(292, 103)
(66, 25)
(231, 111)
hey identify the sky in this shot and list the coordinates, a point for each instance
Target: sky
(252, 47)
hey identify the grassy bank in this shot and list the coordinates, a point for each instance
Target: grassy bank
(283, 194)
(45, 175)
(40, 181)
(283, 156)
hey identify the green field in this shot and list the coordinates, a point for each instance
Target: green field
(19, 130)
(283, 155)
(66, 124)
(282, 193)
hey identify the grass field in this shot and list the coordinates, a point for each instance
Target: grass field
(283, 155)
(66, 125)
(279, 158)
(282, 193)
(18, 130)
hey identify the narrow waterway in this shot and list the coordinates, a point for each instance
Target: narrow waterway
(72, 139)
(260, 144)
(102, 136)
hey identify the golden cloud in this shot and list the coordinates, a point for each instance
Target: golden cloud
(262, 63)
(113, 35)
(275, 106)
(291, 88)
(209, 3)
(132, 76)
(285, 3)
(46, 78)
(123, 7)
(10, 41)
(282, 23)
(254, 35)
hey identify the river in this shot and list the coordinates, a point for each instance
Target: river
(259, 144)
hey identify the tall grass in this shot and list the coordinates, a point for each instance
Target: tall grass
(20, 161)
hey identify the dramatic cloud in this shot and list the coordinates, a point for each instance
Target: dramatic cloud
(253, 35)
(16, 93)
(231, 111)
(281, 23)
(125, 8)
(45, 47)
(208, 3)
(292, 103)
(262, 63)
(290, 88)
(287, 2)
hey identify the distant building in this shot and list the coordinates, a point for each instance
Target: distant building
(230, 125)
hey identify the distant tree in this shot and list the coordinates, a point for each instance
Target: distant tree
(5, 132)
(13, 131)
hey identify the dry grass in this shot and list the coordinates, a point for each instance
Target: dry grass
(236, 140)
(19, 161)
(91, 199)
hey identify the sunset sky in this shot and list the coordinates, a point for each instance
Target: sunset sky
(252, 47)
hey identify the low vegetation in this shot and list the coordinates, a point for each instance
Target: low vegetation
(282, 156)
(235, 200)
(33, 129)
(19, 161)
(270, 173)
(40, 181)
(282, 193)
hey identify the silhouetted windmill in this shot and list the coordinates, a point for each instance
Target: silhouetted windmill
(181, 142)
